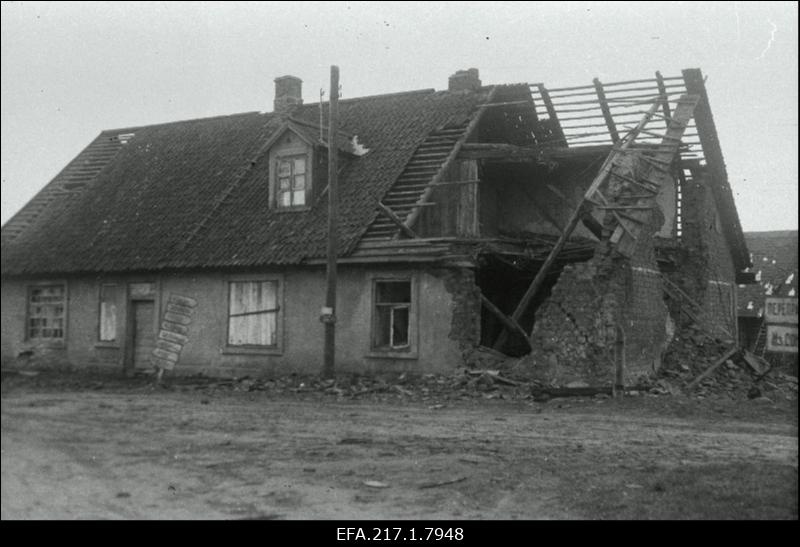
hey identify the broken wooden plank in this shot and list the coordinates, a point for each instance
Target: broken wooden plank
(757, 364)
(727, 355)
(510, 323)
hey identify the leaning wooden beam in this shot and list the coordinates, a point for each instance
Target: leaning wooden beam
(577, 152)
(573, 222)
(728, 354)
(394, 218)
(506, 320)
(551, 113)
(662, 90)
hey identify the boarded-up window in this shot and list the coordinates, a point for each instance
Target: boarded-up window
(392, 315)
(46, 312)
(292, 181)
(109, 304)
(253, 313)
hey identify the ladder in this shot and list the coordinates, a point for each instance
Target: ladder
(760, 345)
(626, 187)
(405, 194)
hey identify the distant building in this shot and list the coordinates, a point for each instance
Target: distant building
(774, 258)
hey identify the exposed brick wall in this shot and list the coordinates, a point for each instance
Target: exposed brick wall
(465, 326)
(707, 272)
(645, 319)
(592, 305)
(573, 334)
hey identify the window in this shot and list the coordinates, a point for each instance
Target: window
(46, 312)
(392, 315)
(253, 313)
(292, 182)
(108, 313)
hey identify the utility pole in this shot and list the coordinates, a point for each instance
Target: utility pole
(328, 316)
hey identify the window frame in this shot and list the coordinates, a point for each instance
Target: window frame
(290, 157)
(277, 349)
(120, 298)
(47, 342)
(409, 351)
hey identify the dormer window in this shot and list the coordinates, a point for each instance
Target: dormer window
(293, 182)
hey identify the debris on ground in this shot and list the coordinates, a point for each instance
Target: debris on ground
(703, 366)
(738, 375)
(441, 483)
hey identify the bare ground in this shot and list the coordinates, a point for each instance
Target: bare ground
(130, 451)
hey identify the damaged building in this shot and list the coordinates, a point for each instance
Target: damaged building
(577, 227)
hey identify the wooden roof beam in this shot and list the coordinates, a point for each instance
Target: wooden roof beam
(498, 151)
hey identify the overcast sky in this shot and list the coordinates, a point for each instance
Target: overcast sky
(72, 69)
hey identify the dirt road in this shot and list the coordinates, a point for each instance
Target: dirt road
(78, 454)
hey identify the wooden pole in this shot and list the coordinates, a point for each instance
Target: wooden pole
(329, 312)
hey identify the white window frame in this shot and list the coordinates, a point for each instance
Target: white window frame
(118, 301)
(410, 350)
(275, 349)
(52, 341)
(290, 157)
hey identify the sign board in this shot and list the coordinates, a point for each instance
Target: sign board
(780, 310)
(782, 338)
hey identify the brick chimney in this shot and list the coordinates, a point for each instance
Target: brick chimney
(288, 94)
(464, 80)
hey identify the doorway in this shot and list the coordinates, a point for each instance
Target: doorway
(143, 336)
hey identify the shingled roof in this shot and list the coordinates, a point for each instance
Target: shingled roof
(193, 194)
(774, 256)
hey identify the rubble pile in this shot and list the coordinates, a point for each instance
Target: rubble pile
(692, 352)
(465, 384)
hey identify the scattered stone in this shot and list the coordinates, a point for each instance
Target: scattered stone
(376, 484)
(577, 384)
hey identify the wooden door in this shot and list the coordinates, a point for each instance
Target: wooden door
(144, 336)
